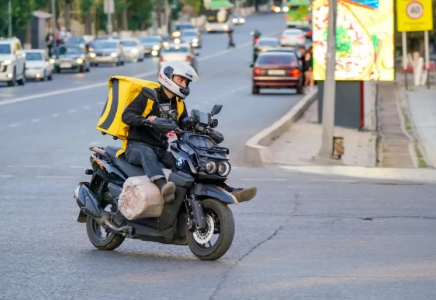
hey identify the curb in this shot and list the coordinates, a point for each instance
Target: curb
(257, 152)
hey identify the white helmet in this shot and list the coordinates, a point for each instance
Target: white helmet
(176, 67)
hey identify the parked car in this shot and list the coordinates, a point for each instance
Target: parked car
(133, 49)
(38, 65)
(238, 20)
(69, 57)
(277, 70)
(12, 62)
(292, 37)
(152, 44)
(263, 44)
(181, 26)
(190, 36)
(183, 52)
(107, 51)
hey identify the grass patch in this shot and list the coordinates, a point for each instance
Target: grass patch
(421, 161)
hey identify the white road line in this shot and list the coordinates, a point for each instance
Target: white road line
(38, 167)
(55, 115)
(264, 179)
(101, 102)
(6, 176)
(72, 111)
(56, 177)
(86, 107)
(36, 120)
(14, 125)
(333, 180)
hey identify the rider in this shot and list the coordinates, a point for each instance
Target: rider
(148, 148)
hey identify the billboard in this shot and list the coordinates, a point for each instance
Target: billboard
(364, 39)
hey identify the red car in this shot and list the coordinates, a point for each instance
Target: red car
(277, 70)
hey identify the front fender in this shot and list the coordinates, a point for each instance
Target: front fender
(213, 191)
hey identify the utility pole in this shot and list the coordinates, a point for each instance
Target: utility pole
(328, 112)
(109, 8)
(10, 18)
(53, 21)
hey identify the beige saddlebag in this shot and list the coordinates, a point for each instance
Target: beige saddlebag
(141, 198)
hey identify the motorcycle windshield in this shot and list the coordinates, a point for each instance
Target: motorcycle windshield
(200, 117)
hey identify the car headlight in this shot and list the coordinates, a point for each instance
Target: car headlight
(92, 55)
(211, 167)
(277, 9)
(52, 60)
(7, 62)
(113, 54)
(177, 41)
(195, 40)
(176, 34)
(241, 20)
(235, 20)
(166, 44)
(285, 9)
(226, 27)
(134, 51)
(156, 47)
(79, 61)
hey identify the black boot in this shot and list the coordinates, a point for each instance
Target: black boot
(243, 195)
(167, 189)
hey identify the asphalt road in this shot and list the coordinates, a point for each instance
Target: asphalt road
(303, 237)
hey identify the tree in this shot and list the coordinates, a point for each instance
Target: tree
(22, 12)
(86, 7)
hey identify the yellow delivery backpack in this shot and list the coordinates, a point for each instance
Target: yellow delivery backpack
(122, 91)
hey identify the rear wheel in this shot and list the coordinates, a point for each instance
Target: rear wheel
(214, 241)
(100, 237)
(255, 90)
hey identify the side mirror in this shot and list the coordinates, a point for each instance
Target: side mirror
(149, 93)
(216, 109)
(251, 65)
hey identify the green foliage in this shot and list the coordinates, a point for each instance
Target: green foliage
(22, 12)
(85, 6)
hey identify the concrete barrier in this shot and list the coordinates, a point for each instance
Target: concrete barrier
(257, 151)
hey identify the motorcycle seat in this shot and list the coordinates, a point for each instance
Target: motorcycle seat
(128, 169)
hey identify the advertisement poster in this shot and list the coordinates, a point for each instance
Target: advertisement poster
(364, 39)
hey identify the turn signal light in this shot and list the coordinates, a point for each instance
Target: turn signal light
(257, 71)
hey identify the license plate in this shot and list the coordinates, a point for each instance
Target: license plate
(66, 65)
(276, 72)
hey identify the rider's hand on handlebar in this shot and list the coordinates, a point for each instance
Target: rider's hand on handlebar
(147, 122)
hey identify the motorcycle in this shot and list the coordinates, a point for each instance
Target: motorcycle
(199, 216)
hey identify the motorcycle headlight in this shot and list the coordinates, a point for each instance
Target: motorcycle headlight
(224, 169)
(211, 167)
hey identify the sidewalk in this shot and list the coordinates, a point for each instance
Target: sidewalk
(422, 107)
(302, 141)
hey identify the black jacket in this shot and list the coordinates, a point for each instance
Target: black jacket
(132, 116)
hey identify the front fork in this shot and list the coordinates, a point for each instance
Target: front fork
(195, 213)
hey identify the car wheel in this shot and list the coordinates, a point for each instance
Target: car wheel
(255, 90)
(44, 77)
(13, 82)
(300, 90)
(58, 70)
(82, 69)
(95, 65)
(122, 63)
(50, 77)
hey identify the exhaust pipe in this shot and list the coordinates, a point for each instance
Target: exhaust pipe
(104, 220)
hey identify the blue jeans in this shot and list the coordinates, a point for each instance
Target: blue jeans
(151, 159)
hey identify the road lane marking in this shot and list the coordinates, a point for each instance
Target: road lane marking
(101, 84)
(55, 115)
(6, 176)
(72, 111)
(39, 167)
(57, 177)
(36, 120)
(86, 107)
(14, 125)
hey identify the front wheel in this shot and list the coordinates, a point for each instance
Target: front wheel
(214, 241)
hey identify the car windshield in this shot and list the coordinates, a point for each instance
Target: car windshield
(293, 32)
(276, 59)
(188, 33)
(150, 39)
(76, 40)
(34, 56)
(70, 50)
(5, 49)
(272, 43)
(184, 26)
(105, 45)
(129, 43)
(166, 38)
(175, 50)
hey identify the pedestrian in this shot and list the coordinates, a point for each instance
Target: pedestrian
(231, 42)
(302, 59)
(308, 69)
(49, 38)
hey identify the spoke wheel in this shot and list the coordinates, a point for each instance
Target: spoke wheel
(214, 241)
